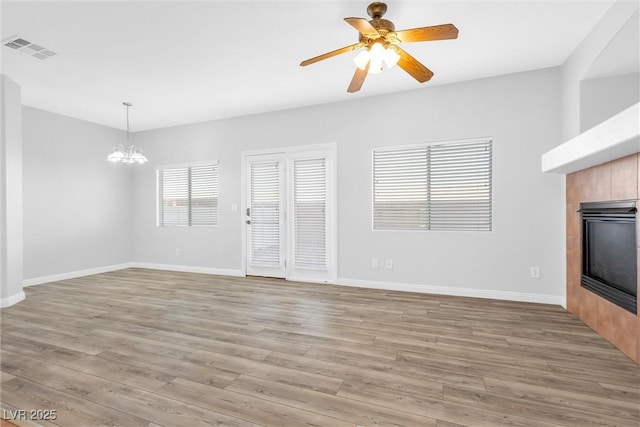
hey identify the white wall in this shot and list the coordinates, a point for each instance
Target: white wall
(522, 114)
(576, 67)
(11, 240)
(574, 70)
(77, 206)
(604, 97)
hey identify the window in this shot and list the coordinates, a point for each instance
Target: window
(442, 186)
(188, 196)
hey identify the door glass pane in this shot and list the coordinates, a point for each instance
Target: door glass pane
(265, 214)
(309, 206)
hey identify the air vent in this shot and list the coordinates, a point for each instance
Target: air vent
(25, 46)
(35, 47)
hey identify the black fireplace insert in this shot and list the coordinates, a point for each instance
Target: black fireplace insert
(609, 251)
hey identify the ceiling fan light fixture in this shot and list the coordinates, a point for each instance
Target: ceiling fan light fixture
(377, 55)
(381, 41)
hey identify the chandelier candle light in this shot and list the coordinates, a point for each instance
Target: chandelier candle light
(128, 154)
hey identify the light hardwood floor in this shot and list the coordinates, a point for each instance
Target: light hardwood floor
(145, 348)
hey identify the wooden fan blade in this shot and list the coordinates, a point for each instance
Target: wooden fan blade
(364, 27)
(425, 34)
(331, 54)
(358, 79)
(413, 66)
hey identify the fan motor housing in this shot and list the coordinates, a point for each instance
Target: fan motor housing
(383, 26)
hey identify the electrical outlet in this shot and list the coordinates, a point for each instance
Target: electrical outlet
(234, 207)
(178, 251)
(374, 262)
(389, 264)
(535, 272)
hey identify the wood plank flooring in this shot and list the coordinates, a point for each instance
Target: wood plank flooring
(152, 348)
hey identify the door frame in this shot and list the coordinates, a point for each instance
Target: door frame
(328, 149)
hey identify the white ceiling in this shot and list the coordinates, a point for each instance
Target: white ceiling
(185, 62)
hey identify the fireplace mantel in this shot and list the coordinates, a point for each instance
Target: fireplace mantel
(614, 138)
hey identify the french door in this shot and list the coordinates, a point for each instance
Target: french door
(265, 215)
(290, 215)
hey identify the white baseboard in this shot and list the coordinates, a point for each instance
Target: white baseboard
(13, 299)
(563, 302)
(75, 274)
(188, 269)
(115, 267)
(391, 286)
(462, 292)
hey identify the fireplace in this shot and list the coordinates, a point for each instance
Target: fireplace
(609, 252)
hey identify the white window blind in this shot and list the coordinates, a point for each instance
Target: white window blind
(265, 213)
(188, 196)
(433, 187)
(309, 210)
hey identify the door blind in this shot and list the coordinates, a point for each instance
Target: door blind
(433, 187)
(265, 213)
(188, 196)
(309, 210)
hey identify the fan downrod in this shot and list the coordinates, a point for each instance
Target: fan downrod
(376, 10)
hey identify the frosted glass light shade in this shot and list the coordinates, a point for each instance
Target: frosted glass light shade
(362, 59)
(127, 155)
(138, 157)
(376, 56)
(116, 155)
(391, 57)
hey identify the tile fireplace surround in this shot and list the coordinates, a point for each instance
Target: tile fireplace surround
(614, 180)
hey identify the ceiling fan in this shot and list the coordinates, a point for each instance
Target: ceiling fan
(380, 39)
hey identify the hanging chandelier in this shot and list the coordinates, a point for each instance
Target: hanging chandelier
(128, 154)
